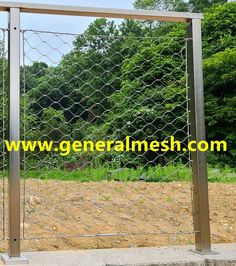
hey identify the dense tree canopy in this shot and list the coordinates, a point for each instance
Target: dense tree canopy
(219, 29)
(177, 5)
(220, 87)
(129, 79)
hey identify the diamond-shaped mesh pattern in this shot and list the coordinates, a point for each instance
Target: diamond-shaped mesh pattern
(104, 88)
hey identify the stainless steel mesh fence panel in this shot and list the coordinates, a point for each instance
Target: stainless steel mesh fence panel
(83, 87)
(3, 132)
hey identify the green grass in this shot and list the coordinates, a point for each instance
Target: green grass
(222, 175)
(152, 174)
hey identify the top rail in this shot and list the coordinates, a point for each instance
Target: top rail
(100, 12)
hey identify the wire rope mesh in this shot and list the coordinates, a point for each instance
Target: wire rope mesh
(83, 87)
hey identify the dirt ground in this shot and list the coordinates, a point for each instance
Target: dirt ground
(68, 215)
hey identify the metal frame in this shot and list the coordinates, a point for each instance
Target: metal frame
(100, 12)
(14, 131)
(197, 126)
(197, 131)
(14, 254)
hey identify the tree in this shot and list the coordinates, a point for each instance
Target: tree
(203, 5)
(219, 29)
(30, 75)
(88, 75)
(220, 97)
(126, 80)
(151, 103)
(53, 125)
(177, 5)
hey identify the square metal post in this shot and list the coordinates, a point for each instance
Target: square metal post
(197, 131)
(14, 131)
(14, 256)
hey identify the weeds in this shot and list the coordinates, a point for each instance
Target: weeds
(168, 173)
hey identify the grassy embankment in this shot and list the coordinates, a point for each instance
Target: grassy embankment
(152, 174)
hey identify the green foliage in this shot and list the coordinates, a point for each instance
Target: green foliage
(203, 5)
(53, 125)
(34, 72)
(169, 173)
(219, 29)
(220, 91)
(111, 68)
(177, 5)
(134, 111)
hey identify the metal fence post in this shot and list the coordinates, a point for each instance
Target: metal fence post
(197, 130)
(14, 255)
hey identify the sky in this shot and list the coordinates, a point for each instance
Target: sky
(64, 24)
(40, 47)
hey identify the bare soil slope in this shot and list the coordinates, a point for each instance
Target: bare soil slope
(70, 214)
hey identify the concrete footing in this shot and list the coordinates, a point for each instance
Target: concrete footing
(13, 260)
(223, 255)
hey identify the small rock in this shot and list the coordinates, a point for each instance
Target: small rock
(34, 200)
